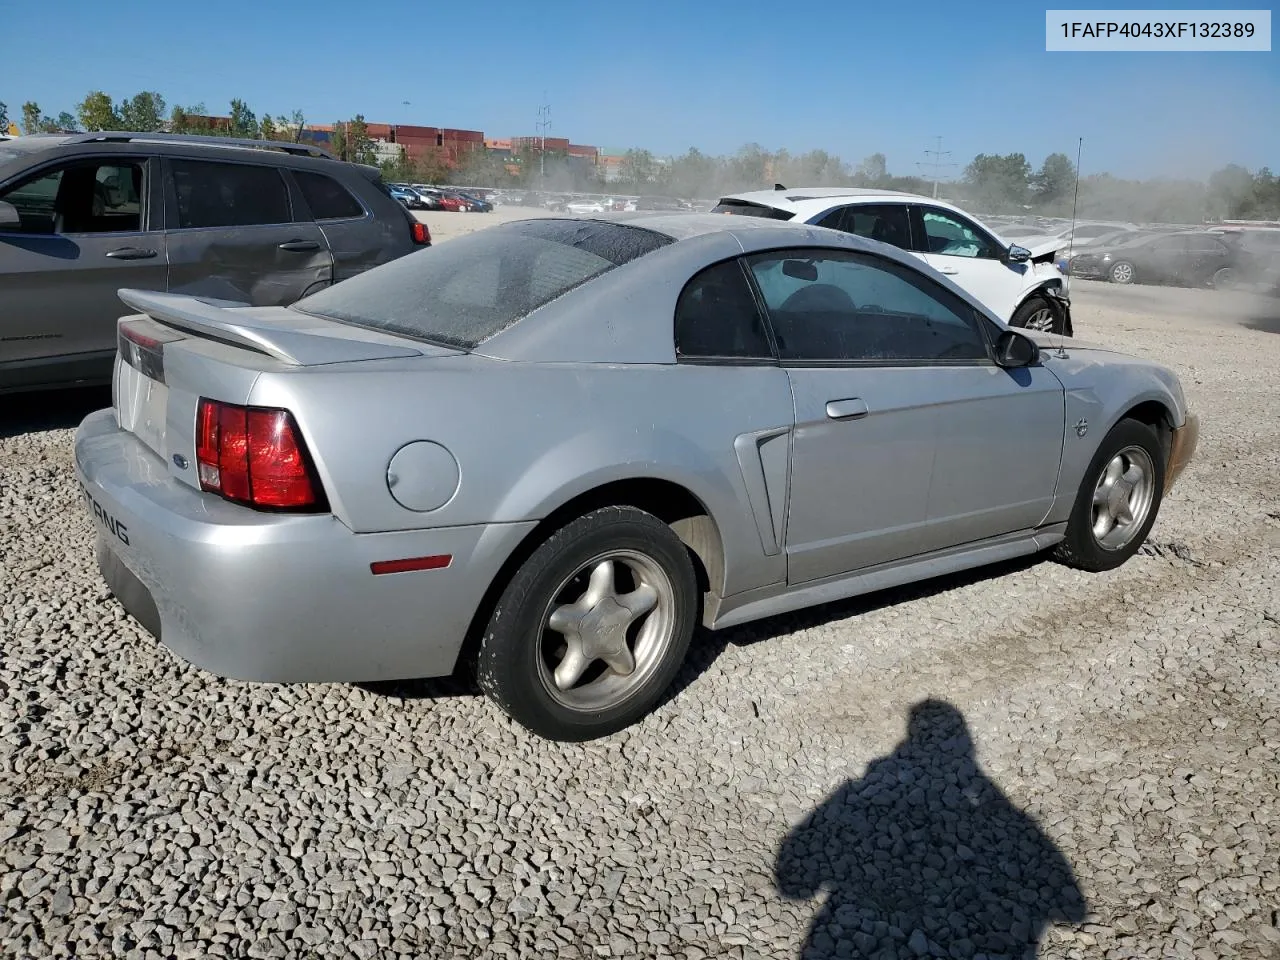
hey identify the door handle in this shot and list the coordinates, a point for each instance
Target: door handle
(854, 408)
(950, 271)
(300, 246)
(131, 253)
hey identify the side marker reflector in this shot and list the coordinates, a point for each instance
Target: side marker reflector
(409, 564)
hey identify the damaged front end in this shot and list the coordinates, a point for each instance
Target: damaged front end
(1060, 303)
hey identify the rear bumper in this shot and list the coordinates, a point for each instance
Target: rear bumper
(276, 597)
(1182, 448)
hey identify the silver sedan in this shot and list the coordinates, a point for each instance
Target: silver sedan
(553, 448)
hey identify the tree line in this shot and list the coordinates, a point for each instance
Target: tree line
(990, 183)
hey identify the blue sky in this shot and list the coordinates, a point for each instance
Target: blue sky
(851, 77)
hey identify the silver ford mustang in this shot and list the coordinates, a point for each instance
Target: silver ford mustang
(550, 449)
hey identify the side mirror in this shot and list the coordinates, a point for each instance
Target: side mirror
(1015, 349)
(9, 218)
(1017, 254)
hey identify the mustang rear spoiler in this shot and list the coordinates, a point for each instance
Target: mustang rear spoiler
(300, 340)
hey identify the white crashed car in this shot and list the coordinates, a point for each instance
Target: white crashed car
(1020, 284)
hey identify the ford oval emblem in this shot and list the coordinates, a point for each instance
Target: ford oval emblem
(180, 461)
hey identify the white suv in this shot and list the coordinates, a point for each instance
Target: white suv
(1021, 286)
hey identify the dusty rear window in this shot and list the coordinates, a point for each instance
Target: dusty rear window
(462, 292)
(745, 208)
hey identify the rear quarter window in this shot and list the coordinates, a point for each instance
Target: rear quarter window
(327, 198)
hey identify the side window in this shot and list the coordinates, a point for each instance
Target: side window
(834, 220)
(1206, 245)
(953, 236)
(717, 317)
(327, 198)
(889, 223)
(80, 198)
(212, 194)
(833, 306)
(1089, 233)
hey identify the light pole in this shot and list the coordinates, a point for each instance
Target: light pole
(544, 121)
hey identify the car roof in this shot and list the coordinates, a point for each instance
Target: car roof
(680, 225)
(303, 155)
(807, 201)
(570, 328)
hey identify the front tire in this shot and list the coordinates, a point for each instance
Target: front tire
(1118, 500)
(1225, 278)
(1122, 272)
(1037, 313)
(593, 627)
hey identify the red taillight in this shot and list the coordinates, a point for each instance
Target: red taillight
(255, 456)
(132, 334)
(420, 233)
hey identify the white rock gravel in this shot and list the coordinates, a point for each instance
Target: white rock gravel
(1092, 760)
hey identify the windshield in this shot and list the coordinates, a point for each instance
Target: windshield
(462, 292)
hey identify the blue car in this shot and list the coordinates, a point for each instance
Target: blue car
(407, 196)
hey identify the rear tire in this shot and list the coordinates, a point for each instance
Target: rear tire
(1037, 313)
(1122, 272)
(593, 627)
(1225, 279)
(1118, 500)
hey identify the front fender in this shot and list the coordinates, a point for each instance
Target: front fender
(1101, 388)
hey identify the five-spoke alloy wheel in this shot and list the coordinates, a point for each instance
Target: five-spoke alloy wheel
(593, 626)
(1118, 499)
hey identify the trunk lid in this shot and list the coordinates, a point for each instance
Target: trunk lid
(177, 349)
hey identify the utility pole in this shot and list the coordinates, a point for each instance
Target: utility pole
(544, 121)
(936, 163)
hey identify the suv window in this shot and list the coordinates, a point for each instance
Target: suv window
(717, 317)
(887, 222)
(213, 194)
(327, 198)
(1205, 244)
(103, 197)
(465, 291)
(833, 306)
(953, 236)
(1088, 232)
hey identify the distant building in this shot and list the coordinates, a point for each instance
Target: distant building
(392, 142)
(609, 163)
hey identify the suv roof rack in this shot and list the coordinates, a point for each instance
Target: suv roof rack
(119, 136)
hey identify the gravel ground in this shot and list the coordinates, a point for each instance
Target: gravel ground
(1025, 759)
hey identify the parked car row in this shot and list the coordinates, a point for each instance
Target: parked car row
(1223, 257)
(586, 204)
(421, 196)
(250, 222)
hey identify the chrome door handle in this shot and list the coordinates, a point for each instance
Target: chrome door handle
(131, 253)
(853, 408)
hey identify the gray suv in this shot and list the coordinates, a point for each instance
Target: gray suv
(258, 222)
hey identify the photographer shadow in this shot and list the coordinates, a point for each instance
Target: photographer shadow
(925, 856)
